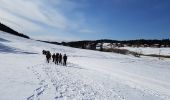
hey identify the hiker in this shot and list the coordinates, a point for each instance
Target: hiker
(53, 56)
(48, 56)
(44, 52)
(60, 59)
(64, 60)
(56, 58)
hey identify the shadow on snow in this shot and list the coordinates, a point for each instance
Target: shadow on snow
(7, 49)
(3, 40)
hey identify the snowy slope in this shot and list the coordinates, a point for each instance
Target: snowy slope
(25, 75)
(149, 50)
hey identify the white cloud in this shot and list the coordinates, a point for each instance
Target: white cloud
(17, 23)
(30, 10)
(30, 16)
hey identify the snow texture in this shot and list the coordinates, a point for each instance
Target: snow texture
(89, 75)
(150, 50)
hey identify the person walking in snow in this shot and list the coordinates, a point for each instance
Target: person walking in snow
(60, 59)
(57, 58)
(48, 56)
(44, 52)
(53, 56)
(64, 60)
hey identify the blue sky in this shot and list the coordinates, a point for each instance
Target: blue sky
(88, 19)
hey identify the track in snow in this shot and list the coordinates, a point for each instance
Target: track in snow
(68, 83)
(74, 82)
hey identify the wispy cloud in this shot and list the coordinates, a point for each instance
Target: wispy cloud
(33, 15)
(30, 10)
(17, 23)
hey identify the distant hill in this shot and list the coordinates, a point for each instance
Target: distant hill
(110, 45)
(116, 43)
(7, 29)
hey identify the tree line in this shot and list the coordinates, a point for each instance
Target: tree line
(7, 29)
(94, 44)
(136, 43)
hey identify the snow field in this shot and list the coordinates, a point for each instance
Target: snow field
(91, 75)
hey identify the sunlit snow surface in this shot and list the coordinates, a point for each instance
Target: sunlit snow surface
(91, 75)
(149, 50)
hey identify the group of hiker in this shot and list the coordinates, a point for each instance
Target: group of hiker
(57, 58)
